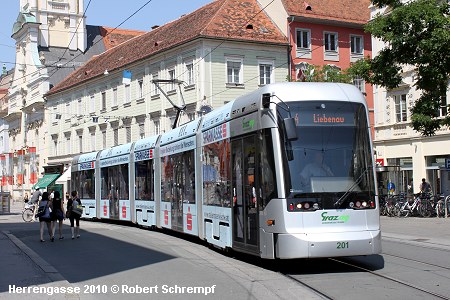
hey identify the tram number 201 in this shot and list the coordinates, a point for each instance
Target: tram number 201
(342, 245)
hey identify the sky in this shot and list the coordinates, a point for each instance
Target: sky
(156, 12)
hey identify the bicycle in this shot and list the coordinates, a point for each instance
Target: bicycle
(29, 212)
(440, 206)
(408, 206)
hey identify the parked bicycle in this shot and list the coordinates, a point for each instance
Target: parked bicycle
(440, 207)
(29, 212)
(408, 206)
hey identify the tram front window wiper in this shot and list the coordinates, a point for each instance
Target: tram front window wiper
(341, 200)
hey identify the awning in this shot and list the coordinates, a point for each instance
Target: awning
(46, 181)
(65, 176)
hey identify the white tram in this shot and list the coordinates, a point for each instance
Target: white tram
(283, 172)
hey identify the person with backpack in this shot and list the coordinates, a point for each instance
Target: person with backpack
(44, 216)
(74, 211)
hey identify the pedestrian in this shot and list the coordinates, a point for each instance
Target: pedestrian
(36, 195)
(58, 214)
(26, 198)
(425, 187)
(75, 211)
(45, 205)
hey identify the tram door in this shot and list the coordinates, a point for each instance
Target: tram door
(244, 178)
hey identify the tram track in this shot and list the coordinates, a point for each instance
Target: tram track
(342, 271)
(390, 278)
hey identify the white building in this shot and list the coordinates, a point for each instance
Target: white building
(219, 52)
(52, 40)
(404, 155)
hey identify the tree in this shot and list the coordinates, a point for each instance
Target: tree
(325, 73)
(416, 33)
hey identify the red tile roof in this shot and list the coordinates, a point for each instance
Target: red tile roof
(113, 37)
(353, 11)
(221, 19)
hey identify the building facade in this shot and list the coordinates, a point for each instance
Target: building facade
(404, 156)
(52, 40)
(324, 33)
(207, 58)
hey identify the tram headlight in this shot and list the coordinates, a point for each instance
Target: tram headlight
(299, 205)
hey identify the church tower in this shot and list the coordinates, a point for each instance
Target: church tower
(61, 22)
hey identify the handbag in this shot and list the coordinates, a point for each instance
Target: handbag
(77, 208)
(41, 210)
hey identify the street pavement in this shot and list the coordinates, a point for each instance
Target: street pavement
(158, 262)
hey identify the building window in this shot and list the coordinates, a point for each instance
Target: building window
(104, 139)
(303, 38)
(116, 136)
(265, 73)
(157, 127)
(234, 71)
(140, 88)
(141, 131)
(103, 100)
(400, 108)
(172, 77)
(80, 108)
(155, 90)
(190, 80)
(55, 114)
(55, 147)
(443, 110)
(331, 41)
(356, 44)
(114, 100)
(80, 143)
(92, 141)
(67, 112)
(68, 146)
(92, 106)
(359, 83)
(128, 134)
(127, 94)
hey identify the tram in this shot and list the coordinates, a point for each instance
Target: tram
(283, 172)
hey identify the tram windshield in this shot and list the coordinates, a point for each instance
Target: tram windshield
(330, 162)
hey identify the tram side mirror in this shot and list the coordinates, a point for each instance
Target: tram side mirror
(291, 129)
(266, 100)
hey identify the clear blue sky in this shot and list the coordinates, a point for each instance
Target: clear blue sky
(108, 13)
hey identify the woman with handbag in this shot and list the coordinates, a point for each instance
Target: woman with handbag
(58, 213)
(44, 211)
(74, 209)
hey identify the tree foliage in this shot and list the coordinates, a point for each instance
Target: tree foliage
(416, 33)
(325, 73)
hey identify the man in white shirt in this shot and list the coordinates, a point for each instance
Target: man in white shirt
(316, 168)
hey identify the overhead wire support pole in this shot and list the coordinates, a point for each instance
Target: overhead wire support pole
(179, 109)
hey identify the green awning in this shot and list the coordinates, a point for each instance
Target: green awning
(46, 181)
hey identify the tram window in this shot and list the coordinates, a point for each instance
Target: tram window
(87, 184)
(144, 180)
(216, 174)
(178, 177)
(268, 184)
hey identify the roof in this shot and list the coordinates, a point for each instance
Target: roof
(351, 11)
(116, 36)
(237, 20)
(99, 39)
